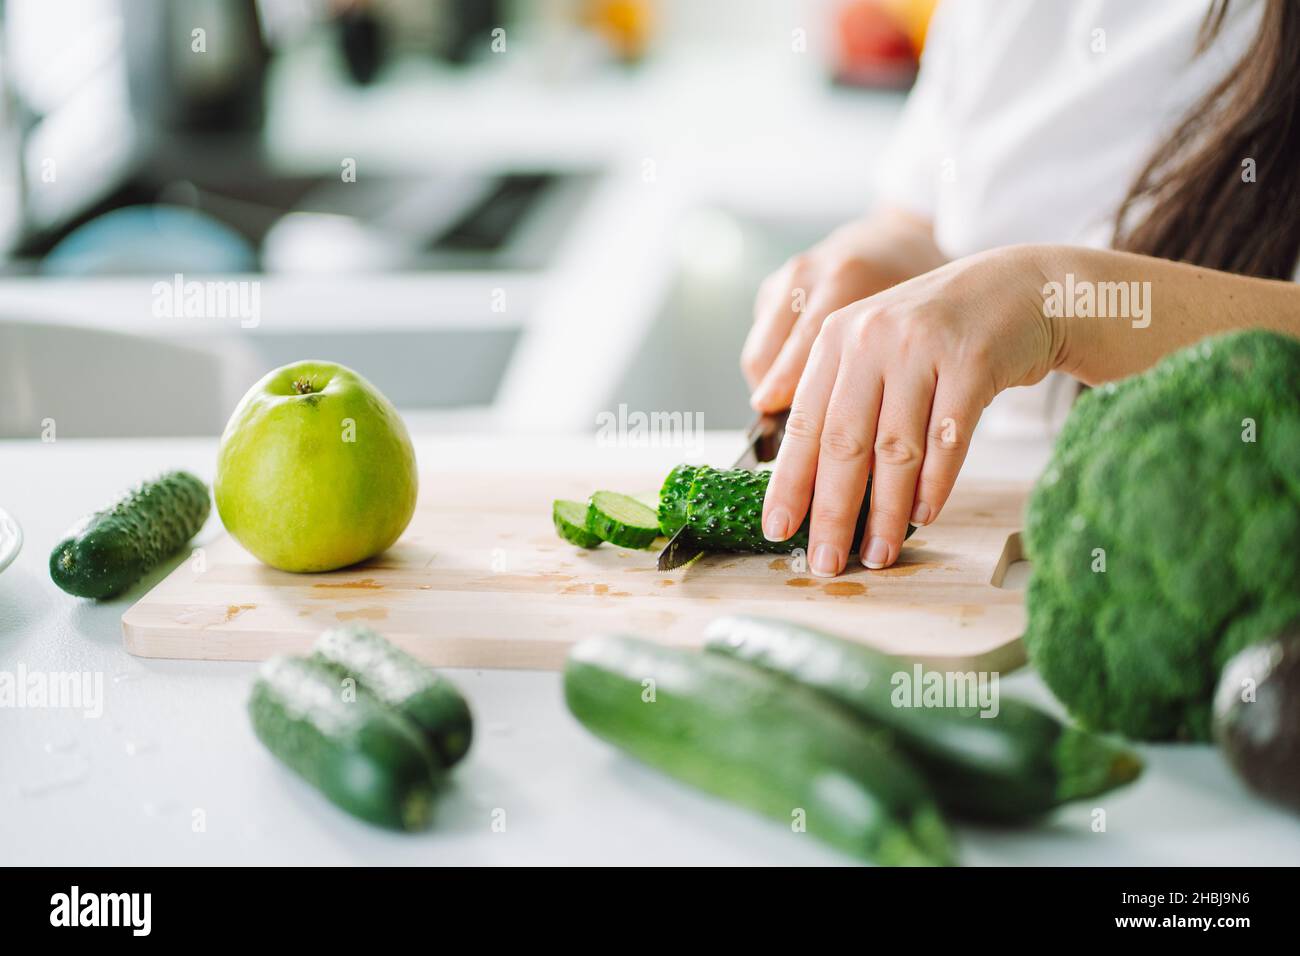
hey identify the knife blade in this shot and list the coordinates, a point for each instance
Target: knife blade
(762, 441)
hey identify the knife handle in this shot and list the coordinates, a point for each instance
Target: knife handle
(767, 434)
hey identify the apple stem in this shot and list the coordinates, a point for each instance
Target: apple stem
(303, 386)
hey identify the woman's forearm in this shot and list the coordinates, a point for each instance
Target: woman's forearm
(1115, 313)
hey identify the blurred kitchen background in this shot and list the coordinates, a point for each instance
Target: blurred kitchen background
(508, 215)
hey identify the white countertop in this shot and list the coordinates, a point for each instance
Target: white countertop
(171, 773)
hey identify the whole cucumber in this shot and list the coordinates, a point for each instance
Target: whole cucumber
(1008, 768)
(741, 734)
(724, 511)
(110, 550)
(428, 700)
(364, 757)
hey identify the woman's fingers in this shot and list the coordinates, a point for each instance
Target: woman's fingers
(776, 391)
(774, 315)
(843, 462)
(790, 489)
(897, 454)
(894, 386)
(958, 405)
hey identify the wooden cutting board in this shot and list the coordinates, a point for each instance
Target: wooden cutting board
(481, 580)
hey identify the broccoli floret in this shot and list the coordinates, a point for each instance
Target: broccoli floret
(1165, 534)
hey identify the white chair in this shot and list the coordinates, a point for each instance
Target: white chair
(90, 383)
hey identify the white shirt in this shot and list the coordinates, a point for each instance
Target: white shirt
(1031, 118)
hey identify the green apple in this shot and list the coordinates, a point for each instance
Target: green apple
(316, 470)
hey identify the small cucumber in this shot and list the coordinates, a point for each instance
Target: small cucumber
(110, 550)
(621, 520)
(724, 510)
(365, 758)
(428, 700)
(744, 735)
(1009, 768)
(570, 519)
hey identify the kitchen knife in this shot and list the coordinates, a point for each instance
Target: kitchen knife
(761, 444)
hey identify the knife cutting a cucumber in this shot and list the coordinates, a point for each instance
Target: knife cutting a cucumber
(888, 339)
(701, 509)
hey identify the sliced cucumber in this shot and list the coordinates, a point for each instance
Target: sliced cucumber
(622, 520)
(673, 496)
(724, 510)
(570, 519)
(648, 498)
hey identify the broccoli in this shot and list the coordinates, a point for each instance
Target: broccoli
(1165, 534)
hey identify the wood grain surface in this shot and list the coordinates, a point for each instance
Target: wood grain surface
(481, 580)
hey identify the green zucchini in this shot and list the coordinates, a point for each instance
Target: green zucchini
(749, 737)
(364, 757)
(724, 511)
(110, 550)
(1009, 768)
(428, 700)
(570, 519)
(621, 520)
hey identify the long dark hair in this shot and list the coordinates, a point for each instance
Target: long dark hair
(1195, 201)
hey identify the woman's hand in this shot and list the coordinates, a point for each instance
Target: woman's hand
(893, 388)
(856, 261)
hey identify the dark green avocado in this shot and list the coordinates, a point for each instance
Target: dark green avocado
(1257, 717)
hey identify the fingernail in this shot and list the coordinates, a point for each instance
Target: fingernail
(877, 553)
(921, 513)
(825, 562)
(776, 526)
(759, 397)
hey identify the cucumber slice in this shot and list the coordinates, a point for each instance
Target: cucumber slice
(570, 519)
(622, 520)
